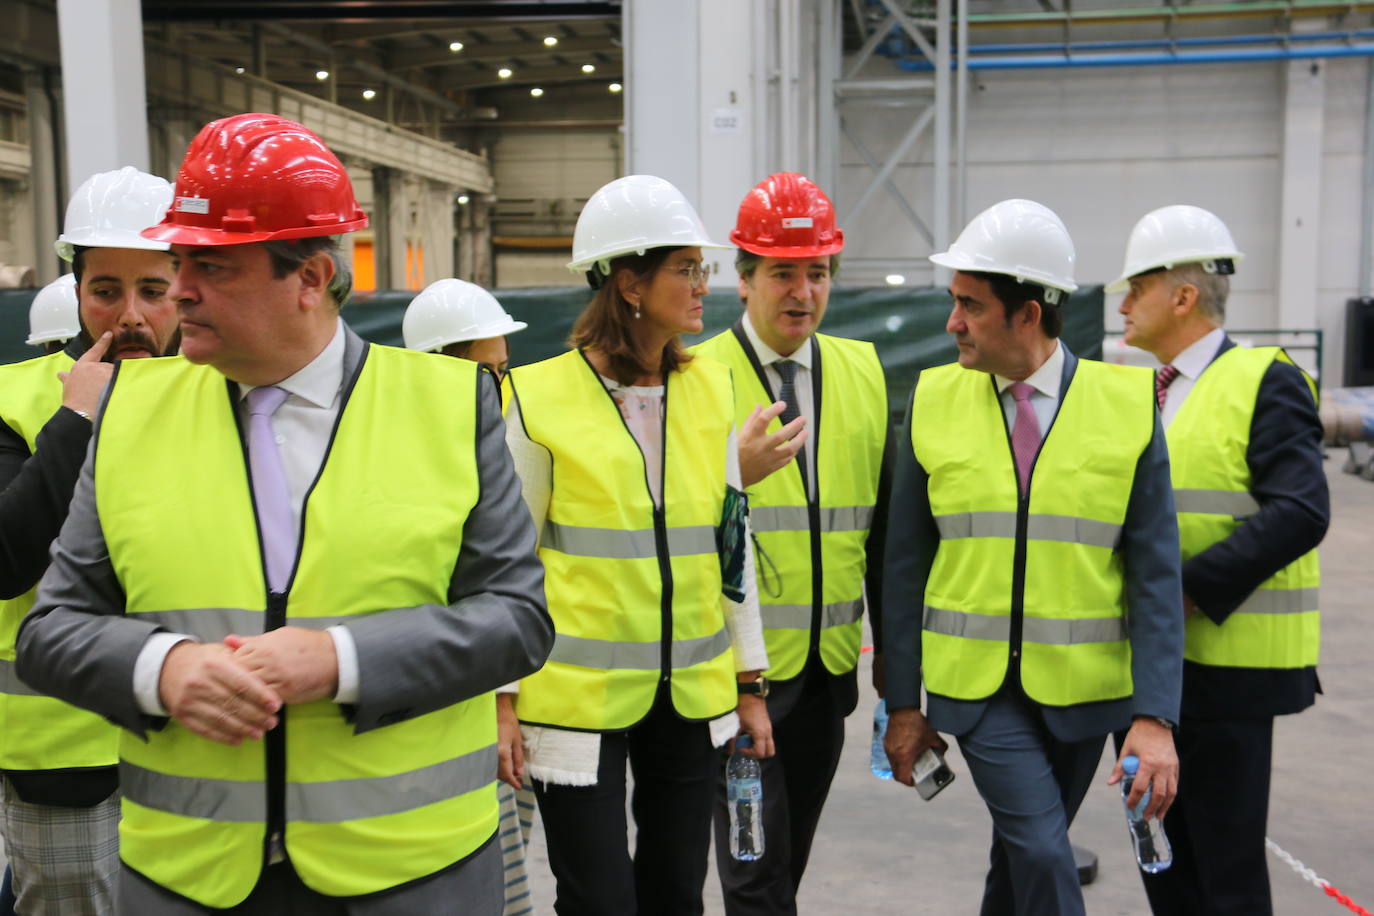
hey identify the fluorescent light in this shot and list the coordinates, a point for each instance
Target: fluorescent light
(895, 279)
(455, 46)
(369, 94)
(536, 92)
(504, 73)
(321, 74)
(615, 87)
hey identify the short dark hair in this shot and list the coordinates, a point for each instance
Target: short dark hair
(1013, 294)
(289, 254)
(746, 262)
(604, 324)
(79, 261)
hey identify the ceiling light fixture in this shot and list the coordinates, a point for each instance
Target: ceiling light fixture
(463, 199)
(536, 92)
(321, 75)
(455, 46)
(504, 73)
(369, 94)
(550, 41)
(238, 69)
(615, 87)
(589, 68)
(895, 279)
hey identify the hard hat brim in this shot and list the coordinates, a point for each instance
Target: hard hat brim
(959, 261)
(585, 264)
(175, 234)
(797, 251)
(66, 247)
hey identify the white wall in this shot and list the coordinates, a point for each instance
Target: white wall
(1104, 146)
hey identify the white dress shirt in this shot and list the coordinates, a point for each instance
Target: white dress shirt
(303, 425)
(805, 397)
(1045, 399)
(1196, 357)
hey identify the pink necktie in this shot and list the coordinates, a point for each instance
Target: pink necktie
(1163, 379)
(1025, 433)
(270, 493)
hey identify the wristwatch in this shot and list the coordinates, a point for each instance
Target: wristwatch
(758, 688)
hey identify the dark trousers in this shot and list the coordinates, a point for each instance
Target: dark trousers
(1217, 824)
(1032, 784)
(675, 769)
(809, 738)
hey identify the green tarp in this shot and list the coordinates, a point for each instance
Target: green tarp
(907, 325)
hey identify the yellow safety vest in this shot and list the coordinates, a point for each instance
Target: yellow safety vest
(1043, 575)
(39, 732)
(812, 560)
(381, 530)
(1279, 625)
(634, 590)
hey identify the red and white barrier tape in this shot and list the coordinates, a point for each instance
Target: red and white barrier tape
(1316, 880)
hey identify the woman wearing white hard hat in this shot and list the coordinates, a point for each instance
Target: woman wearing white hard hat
(458, 318)
(626, 449)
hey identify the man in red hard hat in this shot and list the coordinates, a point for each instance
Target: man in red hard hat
(299, 620)
(812, 410)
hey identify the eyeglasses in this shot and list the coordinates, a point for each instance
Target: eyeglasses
(695, 274)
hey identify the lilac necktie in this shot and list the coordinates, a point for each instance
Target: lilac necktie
(270, 492)
(1025, 433)
(1163, 379)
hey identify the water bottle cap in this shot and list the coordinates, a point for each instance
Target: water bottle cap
(1129, 764)
(743, 741)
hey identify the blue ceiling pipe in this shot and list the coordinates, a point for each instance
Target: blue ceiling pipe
(1304, 37)
(1061, 59)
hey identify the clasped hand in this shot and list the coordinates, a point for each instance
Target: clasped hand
(233, 690)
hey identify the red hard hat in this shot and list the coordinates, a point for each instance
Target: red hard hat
(254, 178)
(787, 216)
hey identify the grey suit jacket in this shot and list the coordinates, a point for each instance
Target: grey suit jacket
(77, 644)
(1153, 594)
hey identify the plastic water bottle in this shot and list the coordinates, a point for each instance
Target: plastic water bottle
(1152, 850)
(877, 761)
(744, 793)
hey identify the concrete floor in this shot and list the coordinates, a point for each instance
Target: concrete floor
(880, 849)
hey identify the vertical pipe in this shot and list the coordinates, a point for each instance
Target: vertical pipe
(1367, 201)
(787, 74)
(942, 113)
(961, 118)
(831, 22)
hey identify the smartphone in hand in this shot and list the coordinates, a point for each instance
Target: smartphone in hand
(931, 773)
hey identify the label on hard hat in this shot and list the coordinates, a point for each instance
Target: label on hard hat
(192, 205)
(796, 222)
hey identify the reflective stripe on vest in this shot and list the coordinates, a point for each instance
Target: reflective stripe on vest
(634, 591)
(40, 732)
(1074, 646)
(801, 603)
(364, 812)
(1278, 625)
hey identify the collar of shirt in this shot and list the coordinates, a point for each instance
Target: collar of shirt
(1198, 355)
(318, 381)
(767, 355)
(1046, 379)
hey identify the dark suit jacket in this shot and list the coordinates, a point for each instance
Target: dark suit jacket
(77, 644)
(1149, 548)
(1287, 480)
(844, 688)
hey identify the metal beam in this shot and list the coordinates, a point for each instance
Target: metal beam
(910, 28)
(391, 10)
(885, 171)
(875, 38)
(377, 73)
(484, 79)
(496, 51)
(893, 191)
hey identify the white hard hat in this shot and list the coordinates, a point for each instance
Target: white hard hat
(54, 314)
(1179, 234)
(111, 209)
(1019, 238)
(631, 215)
(449, 311)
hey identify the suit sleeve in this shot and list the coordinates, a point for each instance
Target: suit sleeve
(76, 644)
(35, 491)
(496, 627)
(912, 540)
(1154, 598)
(1288, 482)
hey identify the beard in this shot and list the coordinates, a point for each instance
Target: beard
(138, 339)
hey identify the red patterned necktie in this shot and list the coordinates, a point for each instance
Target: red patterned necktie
(1163, 379)
(1025, 432)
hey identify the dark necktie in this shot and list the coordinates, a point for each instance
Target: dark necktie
(1163, 379)
(787, 371)
(270, 493)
